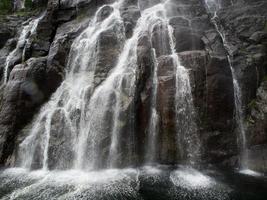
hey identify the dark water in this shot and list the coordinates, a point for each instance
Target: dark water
(157, 183)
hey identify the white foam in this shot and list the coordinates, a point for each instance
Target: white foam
(72, 184)
(190, 178)
(249, 172)
(73, 176)
(152, 170)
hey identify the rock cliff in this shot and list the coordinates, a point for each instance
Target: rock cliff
(38, 64)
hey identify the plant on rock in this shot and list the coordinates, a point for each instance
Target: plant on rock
(5, 6)
(28, 3)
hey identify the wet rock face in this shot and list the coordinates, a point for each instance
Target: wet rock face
(9, 30)
(257, 130)
(130, 14)
(246, 43)
(39, 2)
(244, 25)
(200, 49)
(24, 92)
(166, 107)
(257, 121)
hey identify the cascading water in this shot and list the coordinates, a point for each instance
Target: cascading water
(187, 133)
(187, 130)
(213, 7)
(154, 16)
(27, 31)
(94, 118)
(154, 117)
(72, 105)
(19, 4)
(188, 141)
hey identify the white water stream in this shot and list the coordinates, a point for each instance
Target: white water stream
(85, 126)
(19, 51)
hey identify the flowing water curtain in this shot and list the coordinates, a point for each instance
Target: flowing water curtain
(187, 130)
(150, 19)
(153, 131)
(188, 141)
(55, 132)
(160, 43)
(87, 129)
(113, 102)
(116, 95)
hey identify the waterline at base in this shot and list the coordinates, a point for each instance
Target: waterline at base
(160, 182)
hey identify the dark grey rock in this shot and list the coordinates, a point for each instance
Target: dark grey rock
(200, 49)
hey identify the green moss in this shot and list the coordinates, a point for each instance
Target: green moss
(243, 50)
(28, 4)
(23, 13)
(5, 7)
(82, 14)
(265, 27)
(265, 78)
(252, 104)
(250, 120)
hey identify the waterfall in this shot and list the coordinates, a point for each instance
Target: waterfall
(27, 31)
(187, 132)
(90, 119)
(154, 117)
(69, 115)
(18, 4)
(239, 112)
(188, 141)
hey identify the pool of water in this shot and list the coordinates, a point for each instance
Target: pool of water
(146, 183)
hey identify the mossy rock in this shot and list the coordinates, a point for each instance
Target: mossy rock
(28, 4)
(252, 104)
(265, 27)
(5, 7)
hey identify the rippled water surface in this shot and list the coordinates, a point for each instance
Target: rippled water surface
(147, 183)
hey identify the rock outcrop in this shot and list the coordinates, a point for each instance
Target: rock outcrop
(42, 61)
